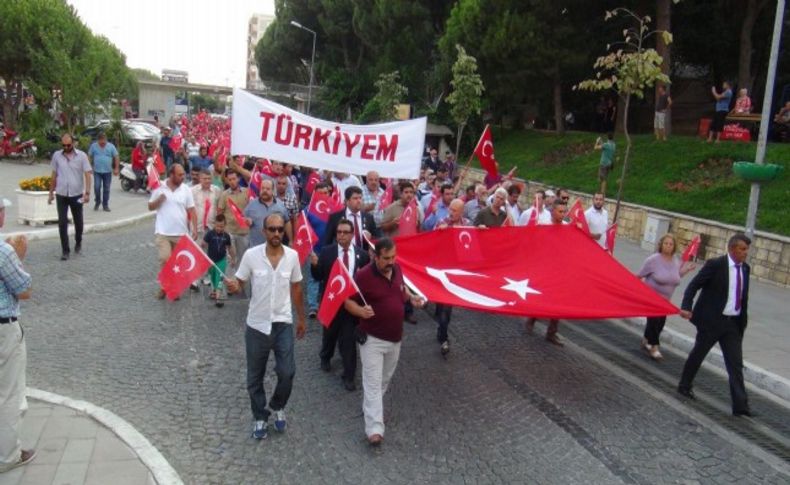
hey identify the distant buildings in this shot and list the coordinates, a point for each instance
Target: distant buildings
(255, 30)
(173, 75)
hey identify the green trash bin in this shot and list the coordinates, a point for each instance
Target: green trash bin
(753, 172)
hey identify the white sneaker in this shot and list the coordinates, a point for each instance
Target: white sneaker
(279, 420)
(655, 354)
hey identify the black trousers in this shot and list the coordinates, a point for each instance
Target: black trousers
(443, 314)
(341, 334)
(653, 329)
(730, 339)
(65, 204)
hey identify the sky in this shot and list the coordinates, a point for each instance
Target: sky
(206, 38)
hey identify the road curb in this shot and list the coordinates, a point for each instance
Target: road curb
(52, 233)
(755, 375)
(160, 468)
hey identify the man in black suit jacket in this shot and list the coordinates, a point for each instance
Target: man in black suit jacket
(341, 331)
(352, 212)
(720, 315)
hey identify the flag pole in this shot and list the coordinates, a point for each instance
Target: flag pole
(206, 256)
(468, 164)
(309, 239)
(350, 278)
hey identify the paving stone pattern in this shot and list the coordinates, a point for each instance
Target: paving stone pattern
(503, 408)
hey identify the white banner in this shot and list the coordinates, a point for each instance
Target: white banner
(262, 128)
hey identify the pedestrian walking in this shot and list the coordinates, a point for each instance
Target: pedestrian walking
(14, 286)
(71, 179)
(380, 311)
(275, 274)
(104, 157)
(661, 271)
(720, 315)
(220, 249)
(608, 149)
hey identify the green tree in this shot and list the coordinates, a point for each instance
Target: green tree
(629, 70)
(465, 98)
(389, 94)
(144, 74)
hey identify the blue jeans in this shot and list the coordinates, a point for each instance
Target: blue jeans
(258, 345)
(101, 188)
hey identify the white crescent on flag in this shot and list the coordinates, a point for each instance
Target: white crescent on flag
(189, 256)
(460, 291)
(468, 238)
(490, 146)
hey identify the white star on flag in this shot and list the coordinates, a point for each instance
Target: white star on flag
(176, 269)
(521, 288)
(331, 296)
(298, 242)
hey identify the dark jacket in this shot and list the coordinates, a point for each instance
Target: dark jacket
(368, 224)
(326, 259)
(713, 280)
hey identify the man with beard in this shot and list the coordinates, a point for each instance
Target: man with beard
(495, 214)
(257, 210)
(597, 220)
(238, 195)
(71, 179)
(276, 278)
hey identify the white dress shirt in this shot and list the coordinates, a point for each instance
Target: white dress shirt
(729, 308)
(544, 217)
(598, 221)
(351, 257)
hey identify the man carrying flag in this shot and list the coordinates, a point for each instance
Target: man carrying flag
(276, 277)
(379, 308)
(206, 197)
(391, 221)
(338, 328)
(235, 197)
(175, 214)
(537, 214)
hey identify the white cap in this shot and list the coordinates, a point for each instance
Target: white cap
(5, 203)
(550, 193)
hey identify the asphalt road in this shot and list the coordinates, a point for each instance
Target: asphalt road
(504, 407)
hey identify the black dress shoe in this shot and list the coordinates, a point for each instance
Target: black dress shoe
(410, 318)
(106, 209)
(349, 385)
(326, 366)
(748, 413)
(64, 256)
(686, 393)
(78, 248)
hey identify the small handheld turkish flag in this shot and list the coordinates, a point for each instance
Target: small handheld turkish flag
(577, 217)
(159, 164)
(611, 234)
(321, 206)
(153, 177)
(312, 181)
(237, 214)
(691, 249)
(187, 263)
(407, 225)
(386, 199)
(305, 237)
(484, 151)
(339, 286)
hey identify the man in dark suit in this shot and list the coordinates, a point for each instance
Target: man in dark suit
(720, 315)
(341, 331)
(362, 222)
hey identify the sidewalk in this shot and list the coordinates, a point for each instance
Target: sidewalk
(127, 207)
(73, 448)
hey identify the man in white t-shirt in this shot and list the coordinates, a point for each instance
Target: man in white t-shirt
(597, 220)
(544, 216)
(175, 213)
(343, 181)
(275, 274)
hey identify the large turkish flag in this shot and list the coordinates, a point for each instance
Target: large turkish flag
(551, 271)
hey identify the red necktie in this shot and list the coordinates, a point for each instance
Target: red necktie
(345, 259)
(357, 241)
(738, 287)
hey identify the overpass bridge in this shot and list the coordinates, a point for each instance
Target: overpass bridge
(159, 97)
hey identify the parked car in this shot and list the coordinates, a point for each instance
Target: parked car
(133, 132)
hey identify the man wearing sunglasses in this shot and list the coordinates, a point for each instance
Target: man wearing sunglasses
(276, 277)
(71, 179)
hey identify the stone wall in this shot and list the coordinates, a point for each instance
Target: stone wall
(769, 255)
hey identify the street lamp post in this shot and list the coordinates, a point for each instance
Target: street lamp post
(312, 63)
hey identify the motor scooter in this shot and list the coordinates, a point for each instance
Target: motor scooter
(12, 146)
(128, 178)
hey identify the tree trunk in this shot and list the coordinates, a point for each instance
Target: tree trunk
(753, 8)
(621, 182)
(559, 117)
(11, 108)
(458, 140)
(664, 23)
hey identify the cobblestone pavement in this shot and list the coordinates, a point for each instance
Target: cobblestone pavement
(503, 408)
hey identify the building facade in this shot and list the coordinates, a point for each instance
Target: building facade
(255, 29)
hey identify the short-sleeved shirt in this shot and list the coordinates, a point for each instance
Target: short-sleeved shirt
(171, 217)
(217, 244)
(102, 157)
(13, 281)
(70, 171)
(660, 274)
(598, 221)
(258, 212)
(200, 162)
(394, 212)
(270, 300)
(200, 197)
(723, 104)
(607, 153)
(486, 217)
(386, 296)
(662, 103)
(544, 216)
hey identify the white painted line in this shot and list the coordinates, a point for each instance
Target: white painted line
(160, 468)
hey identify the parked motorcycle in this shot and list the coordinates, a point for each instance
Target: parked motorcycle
(12, 146)
(128, 178)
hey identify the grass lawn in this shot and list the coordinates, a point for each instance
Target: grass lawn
(683, 175)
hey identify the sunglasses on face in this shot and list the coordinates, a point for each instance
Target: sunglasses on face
(278, 229)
